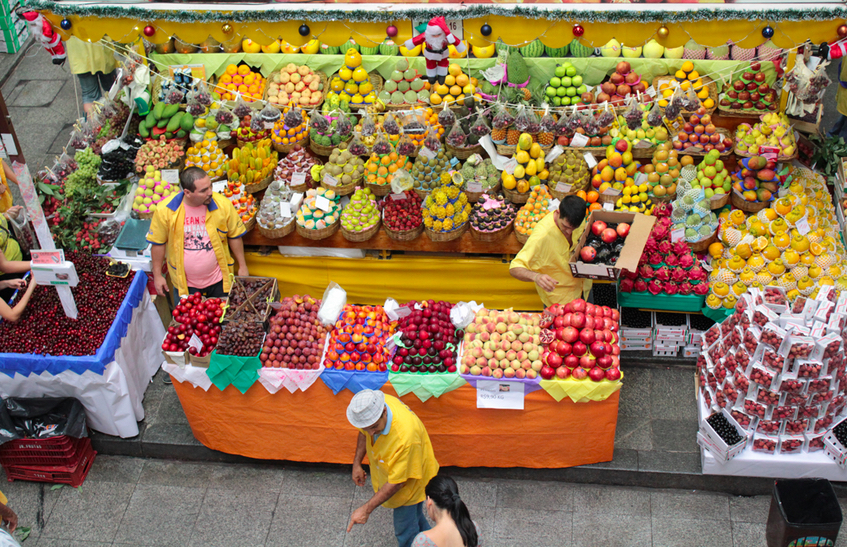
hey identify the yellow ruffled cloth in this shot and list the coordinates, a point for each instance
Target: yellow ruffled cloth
(581, 391)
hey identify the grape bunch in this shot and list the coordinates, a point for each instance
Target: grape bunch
(85, 176)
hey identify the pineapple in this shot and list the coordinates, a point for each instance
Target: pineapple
(545, 139)
(498, 134)
(512, 137)
(527, 94)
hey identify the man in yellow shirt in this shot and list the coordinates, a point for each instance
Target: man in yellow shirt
(545, 256)
(401, 459)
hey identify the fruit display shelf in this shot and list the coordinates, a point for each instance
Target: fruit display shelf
(691, 303)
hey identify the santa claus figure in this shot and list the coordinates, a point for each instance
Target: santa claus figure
(42, 30)
(435, 39)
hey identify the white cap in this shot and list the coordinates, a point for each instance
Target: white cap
(365, 408)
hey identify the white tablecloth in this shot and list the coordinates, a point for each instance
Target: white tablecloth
(112, 401)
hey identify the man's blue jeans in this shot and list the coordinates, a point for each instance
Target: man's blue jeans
(409, 521)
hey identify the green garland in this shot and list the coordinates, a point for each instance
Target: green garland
(333, 13)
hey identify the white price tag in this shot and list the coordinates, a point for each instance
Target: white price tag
(170, 175)
(398, 197)
(503, 395)
(803, 226)
(678, 234)
(562, 187)
(298, 178)
(554, 204)
(554, 153)
(427, 153)
(195, 343)
(403, 311)
(510, 166)
(219, 186)
(329, 180)
(579, 140)
(475, 187)
(608, 206)
(651, 91)
(285, 209)
(589, 159)
(640, 179)
(322, 203)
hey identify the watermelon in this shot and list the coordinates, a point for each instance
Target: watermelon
(351, 45)
(556, 51)
(578, 49)
(388, 47)
(369, 50)
(330, 50)
(533, 49)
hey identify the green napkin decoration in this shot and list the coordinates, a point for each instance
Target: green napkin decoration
(425, 386)
(241, 372)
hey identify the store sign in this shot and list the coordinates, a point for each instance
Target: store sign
(502, 395)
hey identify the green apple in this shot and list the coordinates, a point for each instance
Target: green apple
(571, 91)
(562, 91)
(557, 101)
(564, 100)
(560, 71)
(550, 92)
(580, 89)
(570, 71)
(577, 80)
(566, 82)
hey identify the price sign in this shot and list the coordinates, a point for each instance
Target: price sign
(322, 203)
(803, 226)
(510, 166)
(330, 180)
(589, 159)
(48, 257)
(769, 152)
(195, 343)
(502, 395)
(579, 140)
(398, 197)
(554, 153)
(608, 206)
(611, 192)
(402, 312)
(651, 91)
(640, 179)
(298, 178)
(170, 175)
(475, 187)
(427, 153)
(562, 187)
(219, 186)
(678, 234)
(285, 209)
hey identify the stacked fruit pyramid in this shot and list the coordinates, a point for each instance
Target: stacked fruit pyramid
(692, 213)
(617, 172)
(429, 342)
(404, 86)
(151, 190)
(502, 344)
(531, 170)
(241, 80)
(352, 84)
(537, 206)
(311, 217)
(358, 340)
(568, 172)
(650, 135)
(291, 128)
(789, 245)
(456, 87)
(446, 209)
(712, 176)
(207, 155)
(699, 133)
(686, 77)
(298, 85)
(773, 130)
(252, 163)
(663, 171)
(758, 179)
(565, 87)
(431, 173)
(750, 91)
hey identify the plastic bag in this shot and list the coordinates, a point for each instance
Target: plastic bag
(456, 138)
(256, 124)
(463, 313)
(562, 126)
(320, 123)
(332, 303)
(633, 114)
(405, 147)
(446, 116)
(293, 117)
(503, 118)
(357, 147)
(41, 418)
(382, 146)
(548, 122)
(173, 96)
(526, 121)
(479, 126)
(675, 105)
(692, 101)
(588, 122)
(224, 116)
(201, 93)
(24, 233)
(269, 115)
(431, 141)
(343, 125)
(368, 124)
(241, 108)
(390, 124)
(194, 107)
(654, 118)
(401, 181)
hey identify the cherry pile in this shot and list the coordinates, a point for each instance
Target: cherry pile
(725, 429)
(633, 318)
(402, 214)
(295, 336)
(195, 316)
(44, 328)
(242, 338)
(430, 339)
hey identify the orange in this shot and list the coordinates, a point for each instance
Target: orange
(595, 207)
(455, 90)
(449, 80)
(225, 79)
(592, 197)
(462, 80)
(243, 70)
(231, 69)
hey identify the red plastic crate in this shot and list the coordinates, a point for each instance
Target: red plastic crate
(27, 452)
(73, 475)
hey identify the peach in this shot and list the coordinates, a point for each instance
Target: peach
(475, 370)
(509, 373)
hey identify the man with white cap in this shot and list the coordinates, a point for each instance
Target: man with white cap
(401, 459)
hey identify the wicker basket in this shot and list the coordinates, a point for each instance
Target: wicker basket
(250, 224)
(422, 193)
(703, 244)
(145, 216)
(490, 237)
(324, 88)
(342, 189)
(286, 148)
(606, 198)
(361, 236)
(699, 151)
(522, 238)
(516, 197)
(379, 189)
(574, 189)
(447, 236)
(403, 106)
(404, 235)
(473, 197)
(640, 152)
(322, 233)
(708, 82)
(747, 206)
(259, 186)
(506, 149)
(322, 150)
(718, 201)
(464, 153)
(277, 233)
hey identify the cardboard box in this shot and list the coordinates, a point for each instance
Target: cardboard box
(636, 333)
(690, 352)
(639, 232)
(665, 351)
(636, 346)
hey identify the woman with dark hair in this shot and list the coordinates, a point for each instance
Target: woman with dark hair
(453, 526)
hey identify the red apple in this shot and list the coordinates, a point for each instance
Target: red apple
(547, 372)
(571, 361)
(588, 254)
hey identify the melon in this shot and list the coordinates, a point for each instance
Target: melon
(769, 52)
(402, 65)
(403, 86)
(631, 52)
(417, 85)
(423, 96)
(578, 49)
(397, 97)
(653, 50)
(385, 96)
(719, 53)
(390, 86)
(388, 47)
(369, 50)
(410, 97)
(533, 49)
(674, 52)
(556, 51)
(693, 50)
(483, 52)
(742, 54)
(611, 49)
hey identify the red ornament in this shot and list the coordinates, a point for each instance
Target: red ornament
(391, 31)
(578, 30)
(149, 31)
(842, 31)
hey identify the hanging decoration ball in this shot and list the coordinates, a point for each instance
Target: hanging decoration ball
(226, 28)
(767, 32)
(391, 31)
(842, 31)
(304, 30)
(485, 30)
(663, 32)
(578, 30)
(65, 24)
(149, 31)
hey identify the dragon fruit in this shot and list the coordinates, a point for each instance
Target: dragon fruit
(701, 289)
(671, 288)
(662, 210)
(663, 274)
(686, 288)
(678, 275)
(660, 232)
(665, 247)
(686, 260)
(697, 274)
(640, 285)
(666, 222)
(646, 272)
(655, 287)
(629, 275)
(672, 260)
(651, 246)
(643, 260)
(626, 285)
(655, 258)
(680, 248)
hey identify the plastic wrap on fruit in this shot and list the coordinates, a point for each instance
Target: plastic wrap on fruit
(256, 124)
(503, 118)
(390, 124)
(675, 105)
(320, 123)
(563, 124)
(401, 181)
(293, 118)
(202, 93)
(195, 108)
(241, 108)
(446, 116)
(77, 140)
(605, 117)
(269, 115)
(692, 101)
(548, 122)
(526, 121)
(654, 118)
(431, 141)
(456, 138)
(405, 147)
(343, 125)
(368, 124)
(588, 122)
(356, 147)
(174, 96)
(381, 146)
(224, 117)
(633, 114)
(479, 126)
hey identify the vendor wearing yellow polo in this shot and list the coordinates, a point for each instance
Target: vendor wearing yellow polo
(545, 256)
(197, 228)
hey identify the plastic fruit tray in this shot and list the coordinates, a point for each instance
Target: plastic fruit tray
(73, 474)
(33, 452)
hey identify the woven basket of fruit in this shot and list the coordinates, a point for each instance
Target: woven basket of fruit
(364, 235)
(490, 237)
(747, 206)
(422, 193)
(259, 186)
(574, 189)
(286, 148)
(608, 198)
(473, 197)
(341, 189)
(515, 196)
(277, 89)
(781, 158)
(404, 235)
(522, 238)
(703, 244)
(464, 153)
(319, 233)
(453, 234)
(276, 233)
(250, 224)
(718, 201)
(379, 189)
(322, 150)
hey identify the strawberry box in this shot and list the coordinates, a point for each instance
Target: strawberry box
(814, 443)
(769, 427)
(797, 347)
(795, 427)
(772, 335)
(784, 412)
(791, 444)
(742, 419)
(826, 347)
(833, 447)
(765, 443)
(775, 299)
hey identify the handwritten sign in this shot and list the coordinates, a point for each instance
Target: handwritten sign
(502, 395)
(554, 153)
(195, 343)
(651, 91)
(171, 176)
(298, 178)
(510, 166)
(677, 234)
(803, 226)
(219, 186)
(562, 187)
(427, 153)
(579, 140)
(398, 197)
(329, 180)
(285, 209)
(589, 159)
(475, 187)
(322, 203)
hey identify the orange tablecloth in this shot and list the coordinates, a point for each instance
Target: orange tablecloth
(312, 426)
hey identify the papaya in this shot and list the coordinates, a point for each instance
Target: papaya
(158, 109)
(173, 122)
